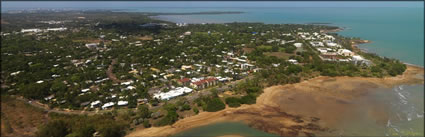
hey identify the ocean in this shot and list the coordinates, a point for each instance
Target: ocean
(396, 30)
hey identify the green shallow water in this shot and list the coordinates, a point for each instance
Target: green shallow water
(224, 128)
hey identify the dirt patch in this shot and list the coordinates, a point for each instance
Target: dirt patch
(248, 50)
(4, 22)
(110, 73)
(88, 40)
(18, 119)
(281, 55)
(145, 38)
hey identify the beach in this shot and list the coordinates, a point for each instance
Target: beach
(292, 109)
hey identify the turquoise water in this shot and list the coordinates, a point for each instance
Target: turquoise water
(224, 128)
(395, 32)
(395, 28)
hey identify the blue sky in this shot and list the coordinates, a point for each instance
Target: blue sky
(100, 4)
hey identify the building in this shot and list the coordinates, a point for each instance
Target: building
(95, 103)
(185, 67)
(187, 33)
(298, 45)
(345, 52)
(172, 93)
(184, 81)
(247, 66)
(57, 29)
(107, 105)
(122, 103)
(31, 30)
(360, 60)
(293, 61)
(204, 83)
(317, 44)
(91, 45)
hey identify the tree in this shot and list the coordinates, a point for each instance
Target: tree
(215, 104)
(86, 131)
(146, 124)
(111, 130)
(144, 111)
(55, 128)
(195, 109)
(233, 102)
(248, 99)
(185, 107)
(290, 49)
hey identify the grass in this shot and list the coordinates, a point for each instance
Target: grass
(282, 55)
(19, 118)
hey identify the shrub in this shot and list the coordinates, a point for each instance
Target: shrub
(248, 99)
(215, 104)
(56, 128)
(196, 110)
(233, 102)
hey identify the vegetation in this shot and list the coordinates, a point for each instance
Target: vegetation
(81, 126)
(233, 102)
(134, 47)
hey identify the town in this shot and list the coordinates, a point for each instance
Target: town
(99, 63)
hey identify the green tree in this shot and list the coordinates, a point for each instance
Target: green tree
(215, 104)
(233, 102)
(144, 111)
(55, 128)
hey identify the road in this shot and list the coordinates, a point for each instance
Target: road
(191, 97)
(44, 107)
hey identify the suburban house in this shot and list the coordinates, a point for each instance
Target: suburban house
(91, 45)
(298, 45)
(184, 81)
(201, 84)
(345, 52)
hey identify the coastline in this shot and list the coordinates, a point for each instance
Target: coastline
(268, 116)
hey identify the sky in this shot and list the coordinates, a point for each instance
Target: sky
(103, 4)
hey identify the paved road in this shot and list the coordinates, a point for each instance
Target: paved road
(191, 97)
(44, 107)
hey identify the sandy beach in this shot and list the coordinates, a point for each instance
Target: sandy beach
(293, 109)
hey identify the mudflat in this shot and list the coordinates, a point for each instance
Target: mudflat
(300, 109)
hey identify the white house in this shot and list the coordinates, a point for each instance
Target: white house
(322, 50)
(91, 45)
(345, 52)
(30, 30)
(331, 44)
(293, 61)
(188, 33)
(298, 45)
(95, 103)
(172, 93)
(122, 103)
(316, 44)
(85, 90)
(57, 29)
(107, 105)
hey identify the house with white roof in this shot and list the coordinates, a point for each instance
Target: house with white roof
(107, 105)
(122, 103)
(95, 103)
(298, 45)
(293, 61)
(345, 52)
(31, 30)
(317, 44)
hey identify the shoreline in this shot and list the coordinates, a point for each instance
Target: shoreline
(266, 115)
